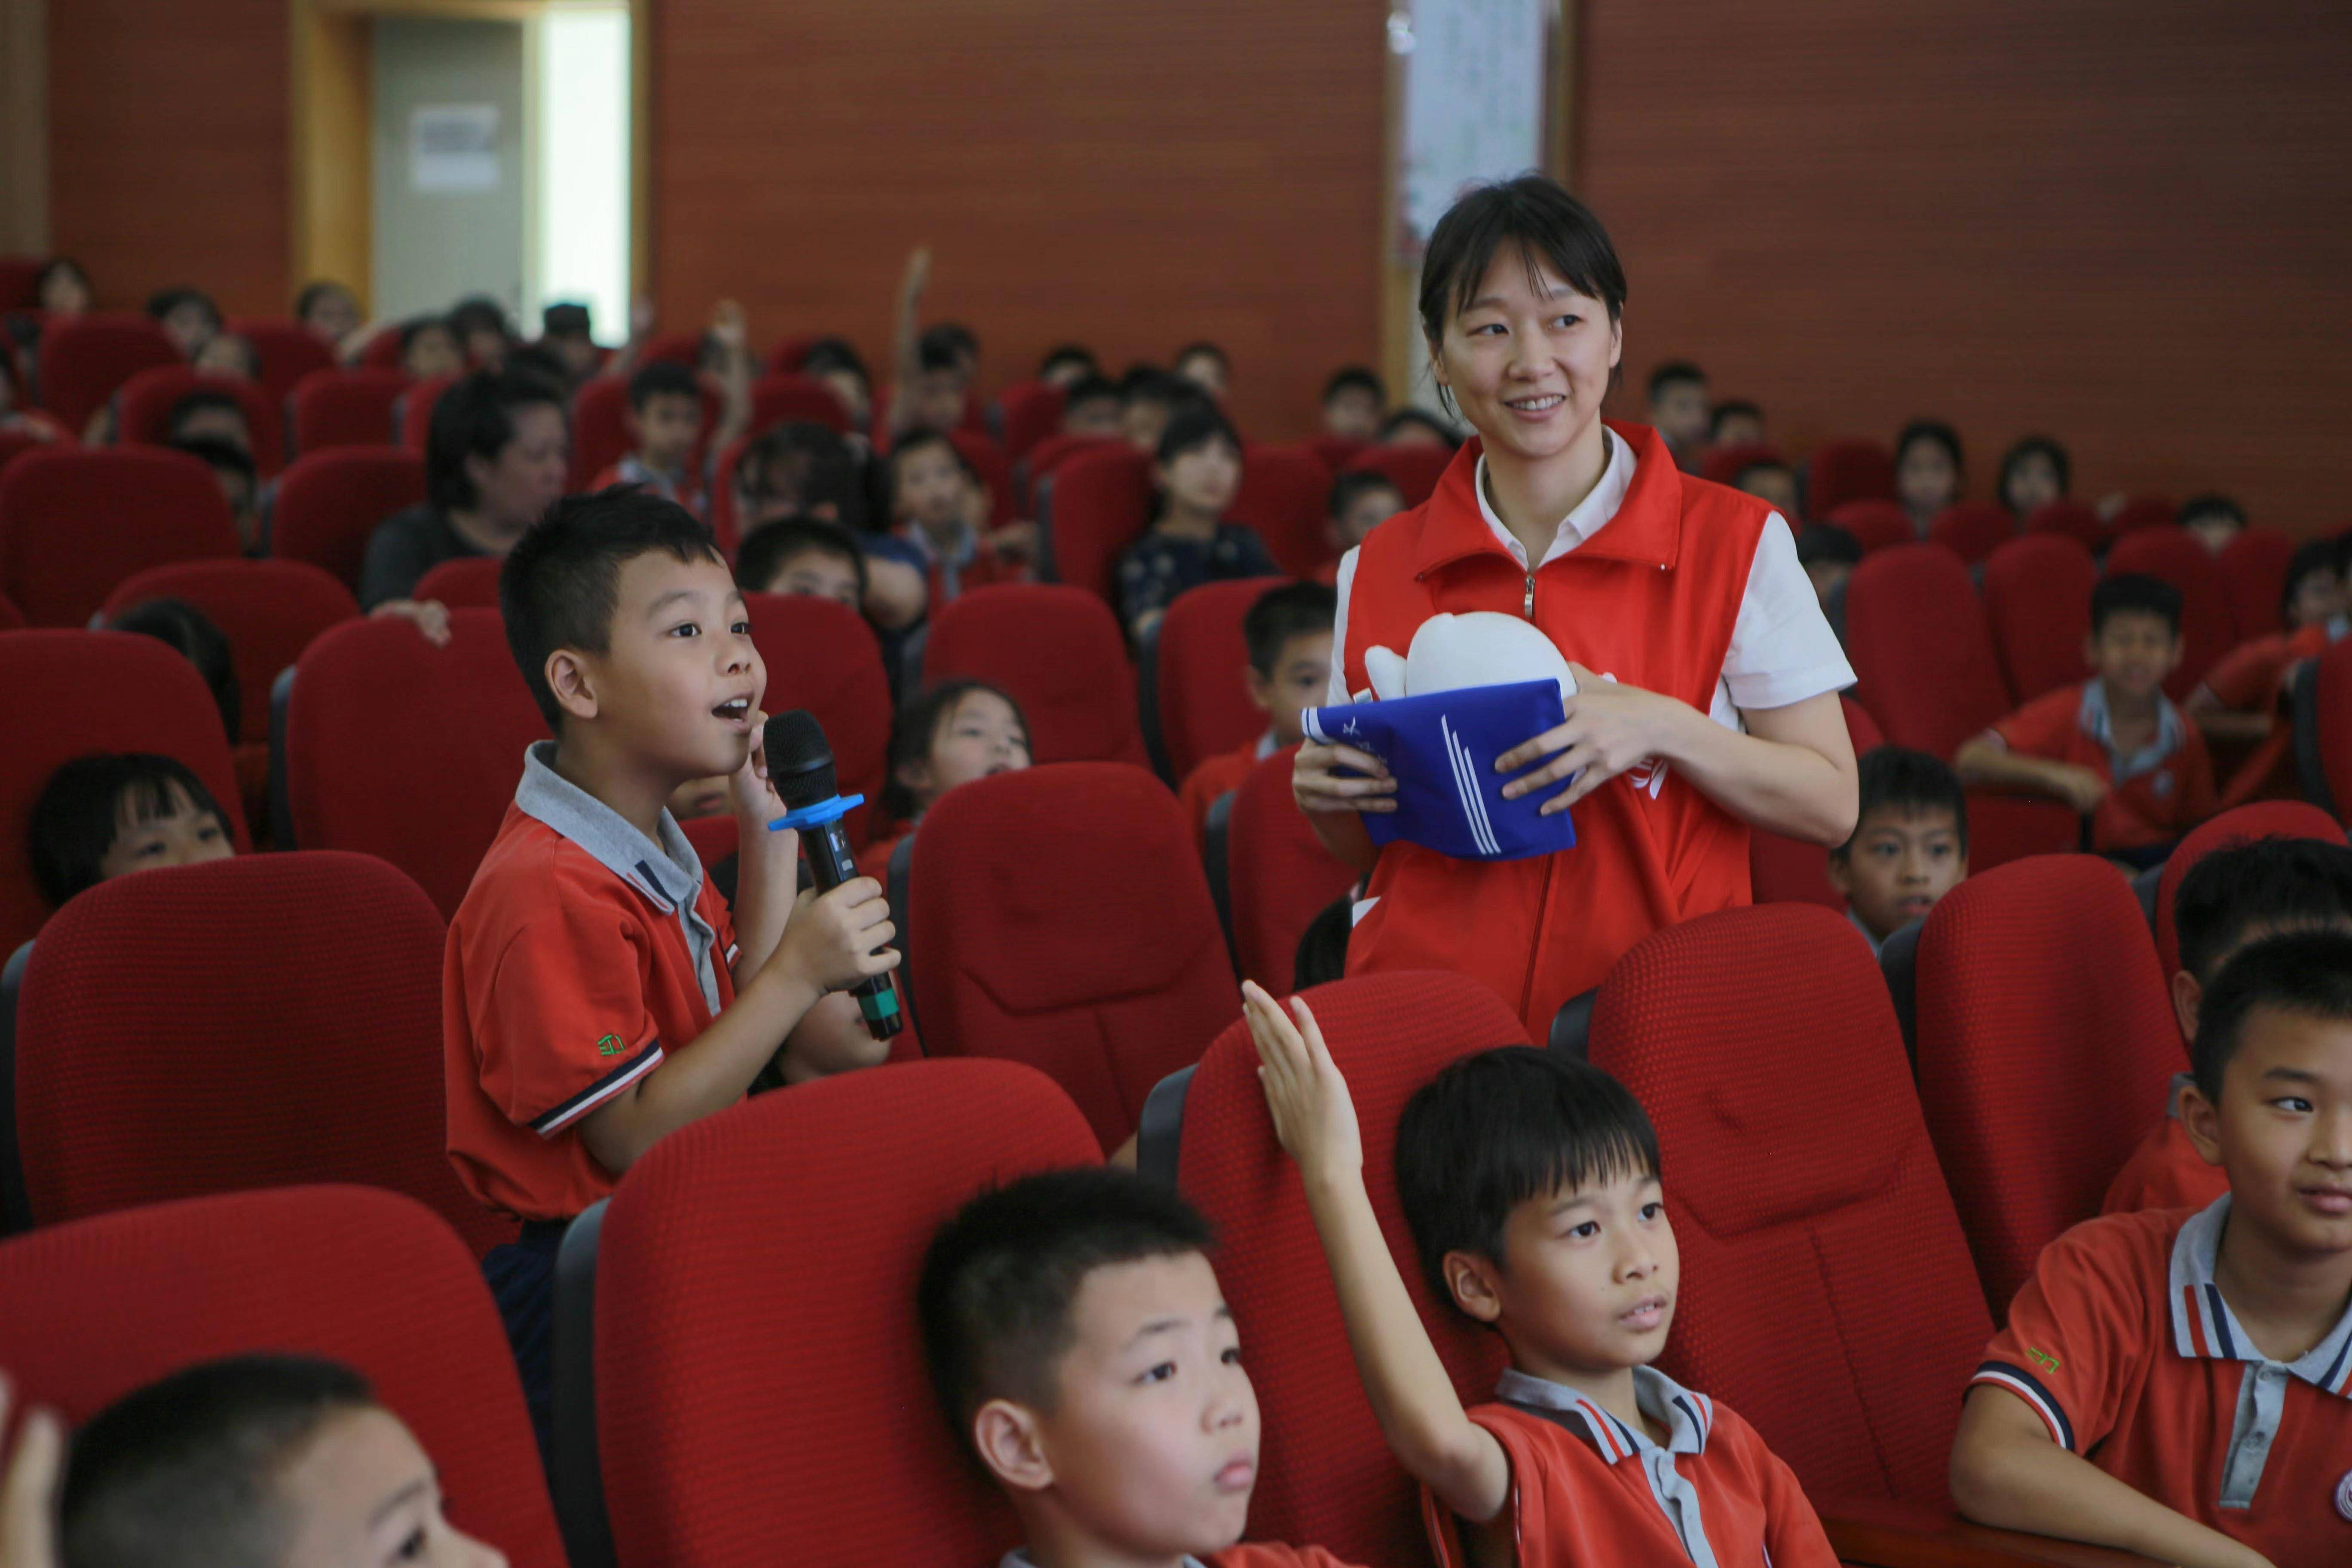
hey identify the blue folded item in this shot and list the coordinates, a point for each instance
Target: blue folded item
(1442, 749)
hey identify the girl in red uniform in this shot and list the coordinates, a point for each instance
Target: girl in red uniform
(1706, 675)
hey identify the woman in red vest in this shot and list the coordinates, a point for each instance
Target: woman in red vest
(1706, 677)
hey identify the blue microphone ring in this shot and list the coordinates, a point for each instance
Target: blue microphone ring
(816, 815)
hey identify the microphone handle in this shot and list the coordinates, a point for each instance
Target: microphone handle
(830, 865)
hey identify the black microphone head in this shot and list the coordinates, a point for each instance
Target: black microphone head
(799, 764)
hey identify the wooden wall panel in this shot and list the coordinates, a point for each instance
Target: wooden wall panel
(1130, 176)
(2120, 221)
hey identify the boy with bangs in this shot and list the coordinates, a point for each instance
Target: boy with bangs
(1287, 635)
(1530, 1184)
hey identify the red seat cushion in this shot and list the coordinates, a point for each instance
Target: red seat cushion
(326, 504)
(2069, 519)
(825, 657)
(1278, 875)
(268, 610)
(1201, 673)
(85, 358)
(1922, 652)
(1972, 529)
(1851, 469)
(75, 522)
(1283, 496)
(1058, 650)
(342, 408)
(2263, 819)
(2174, 555)
(2254, 565)
(143, 406)
(2037, 600)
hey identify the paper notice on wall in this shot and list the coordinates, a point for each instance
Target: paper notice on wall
(453, 147)
(1474, 100)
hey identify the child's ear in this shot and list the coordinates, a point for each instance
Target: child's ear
(574, 686)
(915, 777)
(1841, 874)
(1010, 1444)
(2201, 1119)
(2188, 995)
(1471, 1278)
(1261, 690)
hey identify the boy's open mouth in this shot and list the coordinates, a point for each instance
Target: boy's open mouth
(736, 708)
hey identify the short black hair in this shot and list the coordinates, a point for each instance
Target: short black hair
(1896, 779)
(2308, 973)
(1090, 388)
(560, 584)
(1146, 384)
(183, 1473)
(2273, 883)
(1322, 955)
(663, 378)
(417, 327)
(2036, 446)
(1356, 377)
(1761, 465)
(1826, 542)
(2135, 592)
(1068, 353)
(73, 820)
(1731, 408)
(203, 400)
(952, 337)
(217, 454)
(163, 301)
(1352, 486)
(1500, 1127)
(807, 465)
(1283, 612)
(565, 319)
(910, 442)
(1202, 346)
(769, 548)
(918, 725)
(193, 635)
(1931, 430)
(315, 291)
(2209, 505)
(475, 419)
(2310, 557)
(1675, 372)
(1193, 424)
(1002, 1275)
(478, 313)
(828, 354)
(1533, 215)
(1425, 419)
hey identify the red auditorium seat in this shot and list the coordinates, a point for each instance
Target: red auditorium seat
(288, 351)
(382, 351)
(714, 838)
(1874, 524)
(1413, 469)
(1059, 916)
(1723, 465)
(268, 611)
(64, 694)
(1028, 412)
(1049, 454)
(2138, 512)
(143, 405)
(84, 359)
(326, 504)
(1848, 470)
(2173, 554)
(1799, 1172)
(1784, 870)
(468, 583)
(2263, 819)
(2046, 1050)
(825, 657)
(1338, 451)
(20, 281)
(1278, 875)
(75, 522)
(90, 1311)
(672, 348)
(1923, 655)
(1102, 501)
(412, 411)
(2069, 519)
(398, 749)
(282, 1026)
(1283, 496)
(342, 408)
(2254, 566)
(15, 444)
(1200, 674)
(1324, 1473)
(2037, 600)
(987, 460)
(782, 397)
(12, 619)
(2323, 728)
(1058, 650)
(1972, 529)
(744, 1419)
(600, 429)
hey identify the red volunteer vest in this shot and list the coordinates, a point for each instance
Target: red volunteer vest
(1651, 599)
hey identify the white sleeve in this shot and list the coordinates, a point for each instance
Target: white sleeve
(1336, 690)
(1782, 650)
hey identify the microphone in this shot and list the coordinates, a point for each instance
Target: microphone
(800, 764)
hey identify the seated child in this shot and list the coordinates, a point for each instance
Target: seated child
(1149, 399)
(209, 416)
(1354, 404)
(2245, 697)
(1828, 555)
(1084, 1356)
(2173, 1382)
(239, 481)
(1091, 406)
(1774, 481)
(482, 330)
(802, 556)
(1198, 473)
(665, 421)
(1928, 471)
(188, 317)
(597, 993)
(1736, 423)
(1288, 634)
(1679, 409)
(939, 509)
(1361, 500)
(62, 288)
(1910, 842)
(1205, 365)
(330, 311)
(1418, 427)
(2213, 521)
(945, 735)
(835, 363)
(563, 332)
(110, 813)
(2114, 748)
(931, 386)
(229, 353)
(800, 469)
(2233, 898)
(429, 349)
(1530, 1183)
(1066, 364)
(2033, 473)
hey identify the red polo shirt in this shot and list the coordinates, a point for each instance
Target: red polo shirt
(2157, 800)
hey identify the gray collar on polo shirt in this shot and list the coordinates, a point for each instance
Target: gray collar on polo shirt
(2099, 722)
(1687, 1418)
(669, 874)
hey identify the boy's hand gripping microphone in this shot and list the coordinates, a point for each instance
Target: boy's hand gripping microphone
(800, 766)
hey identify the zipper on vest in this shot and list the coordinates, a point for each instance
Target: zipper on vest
(1527, 604)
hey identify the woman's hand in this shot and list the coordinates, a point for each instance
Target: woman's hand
(1316, 785)
(1610, 728)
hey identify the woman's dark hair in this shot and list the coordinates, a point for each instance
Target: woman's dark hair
(475, 419)
(1531, 214)
(2030, 447)
(73, 822)
(1934, 430)
(191, 633)
(918, 725)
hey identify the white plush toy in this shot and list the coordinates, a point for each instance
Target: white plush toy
(1482, 648)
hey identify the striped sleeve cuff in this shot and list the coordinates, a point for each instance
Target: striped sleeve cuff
(597, 1093)
(2026, 1386)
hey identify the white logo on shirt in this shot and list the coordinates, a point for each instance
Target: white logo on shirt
(1649, 775)
(2344, 1495)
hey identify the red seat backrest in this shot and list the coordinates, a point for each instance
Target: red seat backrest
(1325, 1475)
(600, 425)
(143, 406)
(283, 1027)
(987, 459)
(288, 351)
(1058, 651)
(724, 525)
(2262, 819)
(1101, 502)
(2046, 1050)
(11, 618)
(1922, 653)
(20, 282)
(2138, 512)
(672, 348)
(268, 611)
(1040, 461)
(1874, 524)
(1412, 466)
(2070, 520)
(1059, 916)
(2037, 599)
(2334, 677)
(1972, 529)
(1783, 870)
(76, 520)
(2255, 567)
(15, 444)
(1201, 673)
(1028, 412)
(64, 694)
(2174, 555)
(722, 1451)
(326, 504)
(467, 583)
(1337, 451)
(825, 657)
(1723, 465)
(402, 750)
(1855, 469)
(1278, 876)
(84, 358)
(784, 395)
(342, 408)
(412, 411)
(1750, 1036)
(383, 351)
(1283, 496)
(91, 1310)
